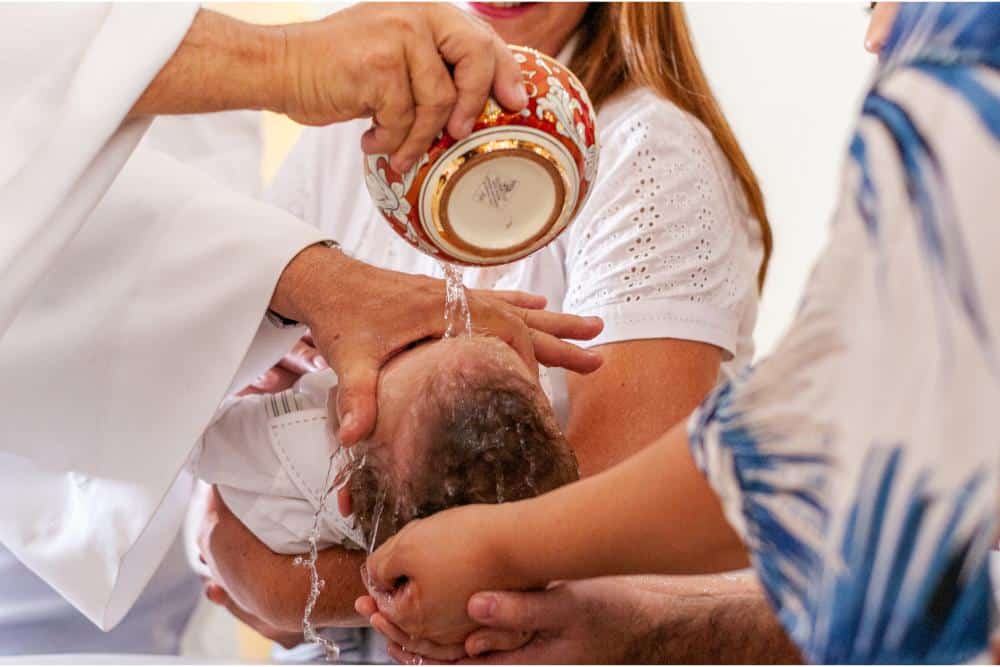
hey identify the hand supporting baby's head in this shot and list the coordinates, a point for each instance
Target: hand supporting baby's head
(477, 429)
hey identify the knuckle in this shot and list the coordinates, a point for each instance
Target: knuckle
(402, 23)
(381, 60)
(443, 99)
(482, 38)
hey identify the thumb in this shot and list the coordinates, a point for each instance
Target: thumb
(382, 570)
(510, 610)
(508, 81)
(356, 400)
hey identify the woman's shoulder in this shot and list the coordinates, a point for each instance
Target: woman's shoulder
(639, 118)
(643, 104)
(644, 133)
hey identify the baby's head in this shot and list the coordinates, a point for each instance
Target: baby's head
(461, 421)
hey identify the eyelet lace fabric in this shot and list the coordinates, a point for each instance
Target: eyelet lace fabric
(665, 225)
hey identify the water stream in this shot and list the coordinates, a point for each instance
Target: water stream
(456, 304)
(459, 321)
(351, 460)
(316, 584)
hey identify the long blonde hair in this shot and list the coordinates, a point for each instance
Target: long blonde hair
(649, 44)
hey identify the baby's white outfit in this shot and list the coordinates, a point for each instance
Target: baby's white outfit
(270, 455)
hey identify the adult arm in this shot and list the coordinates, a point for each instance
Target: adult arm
(631, 620)
(268, 585)
(643, 388)
(389, 62)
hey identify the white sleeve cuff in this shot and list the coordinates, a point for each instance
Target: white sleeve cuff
(666, 318)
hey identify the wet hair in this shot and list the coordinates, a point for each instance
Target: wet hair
(491, 437)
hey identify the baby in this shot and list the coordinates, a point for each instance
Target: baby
(460, 421)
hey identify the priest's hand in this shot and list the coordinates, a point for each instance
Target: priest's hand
(389, 62)
(360, 316)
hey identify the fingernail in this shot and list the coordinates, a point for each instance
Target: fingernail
(320, 362)
(480, 646)
(481, 607)
(347, 421)
(467, 126)
(212, 593)
(594, 320)
(403, 165)
(522, 94)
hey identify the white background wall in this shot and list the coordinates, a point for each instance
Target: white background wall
(789, 78)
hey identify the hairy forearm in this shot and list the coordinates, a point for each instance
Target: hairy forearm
(710, 620)
(221, 64)
(657, 499)
(341, 570)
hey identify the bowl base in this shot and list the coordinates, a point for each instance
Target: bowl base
(498, 203)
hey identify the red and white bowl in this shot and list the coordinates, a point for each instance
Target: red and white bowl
(510, 187)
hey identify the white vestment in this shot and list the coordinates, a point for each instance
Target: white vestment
(131, 289)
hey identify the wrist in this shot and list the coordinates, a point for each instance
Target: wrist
(309, 282)
(510, 540)
(273, 83)
(257, 67)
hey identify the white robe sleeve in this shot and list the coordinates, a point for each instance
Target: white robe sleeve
(130, 296)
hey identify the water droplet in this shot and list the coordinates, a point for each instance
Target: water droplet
(316, 584)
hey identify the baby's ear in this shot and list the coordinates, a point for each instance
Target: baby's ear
(344, 501)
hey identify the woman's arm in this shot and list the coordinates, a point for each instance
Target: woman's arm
(657, 499)
(643, 389)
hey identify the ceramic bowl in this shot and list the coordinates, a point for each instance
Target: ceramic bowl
(510, 187)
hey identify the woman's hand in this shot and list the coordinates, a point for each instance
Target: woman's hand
(421, 579)
(360, 316)
(410, 650)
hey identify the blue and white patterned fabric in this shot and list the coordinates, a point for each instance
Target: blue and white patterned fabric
(861, 461)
